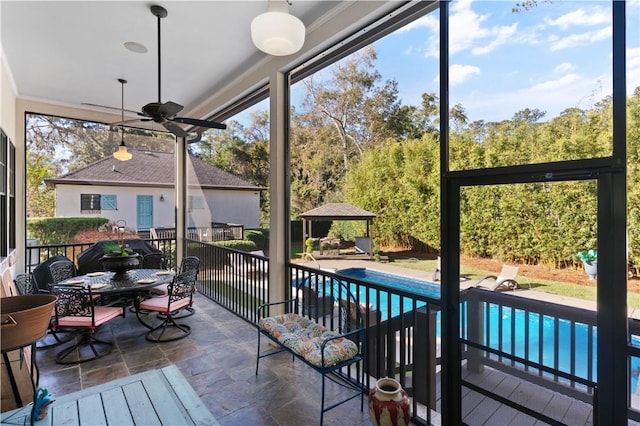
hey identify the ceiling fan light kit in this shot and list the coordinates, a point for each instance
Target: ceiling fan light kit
(122, 154)
(276, 32)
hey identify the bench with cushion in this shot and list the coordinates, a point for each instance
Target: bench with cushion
(329, 345)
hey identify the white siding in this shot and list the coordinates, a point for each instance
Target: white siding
(229, 206)
(226, 206)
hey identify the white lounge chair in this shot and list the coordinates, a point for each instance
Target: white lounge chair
(506, 278)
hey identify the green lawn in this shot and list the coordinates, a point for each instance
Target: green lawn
(554, 287)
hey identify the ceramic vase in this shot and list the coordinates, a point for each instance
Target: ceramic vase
(389, 404)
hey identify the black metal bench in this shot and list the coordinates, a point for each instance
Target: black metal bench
(328, 346)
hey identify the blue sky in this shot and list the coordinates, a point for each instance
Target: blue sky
(555, 56)
(552, 57)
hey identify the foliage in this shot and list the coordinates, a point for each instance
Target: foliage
(112, 248)
(346, 230)
(259, 236)
(587, 256)
(399, 182)
(41, 198)
(67, 144)
(60, 230)
(244, 245)
(309, 244)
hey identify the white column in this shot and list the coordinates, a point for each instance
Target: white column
(181, 198)
(278, 215)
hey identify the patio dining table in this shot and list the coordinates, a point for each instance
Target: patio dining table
(135, 281)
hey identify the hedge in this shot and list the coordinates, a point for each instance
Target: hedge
(60, 230)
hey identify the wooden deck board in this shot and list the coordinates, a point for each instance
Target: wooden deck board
(113, 399)
(158, 397)
(481, 410)
(90, 410)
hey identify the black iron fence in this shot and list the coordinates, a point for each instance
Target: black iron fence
(35, 254)
(548, 344)
(237, 280)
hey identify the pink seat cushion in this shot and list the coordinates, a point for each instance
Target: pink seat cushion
(160, 304)
(102, 315)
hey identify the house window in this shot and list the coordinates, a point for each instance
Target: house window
(7, 195)
(195, 202)
(109, 202)
(90, 203)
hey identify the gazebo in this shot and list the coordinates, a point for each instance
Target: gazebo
(341, 211)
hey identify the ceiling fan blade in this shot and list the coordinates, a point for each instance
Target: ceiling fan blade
(175, 129)
(169, 109)
(108, 107)
(199, 123)
(133, 120)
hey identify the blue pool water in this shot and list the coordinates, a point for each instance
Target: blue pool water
(424, 288)
(536, 336)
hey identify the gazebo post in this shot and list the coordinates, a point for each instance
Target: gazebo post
(304, 239)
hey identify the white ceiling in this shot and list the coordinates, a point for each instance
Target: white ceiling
(72, 52)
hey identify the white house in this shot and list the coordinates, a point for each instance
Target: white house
(141, 192)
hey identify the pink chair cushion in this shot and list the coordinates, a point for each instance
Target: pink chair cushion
(160, 304)
(102, 315)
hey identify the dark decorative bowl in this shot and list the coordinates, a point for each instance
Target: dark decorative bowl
(120, 265)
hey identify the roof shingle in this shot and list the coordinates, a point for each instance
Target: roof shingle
(151, 169)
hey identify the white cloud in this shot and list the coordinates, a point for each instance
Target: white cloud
(458, 74)
(552, 96)
(595, 16)
(564, 67)
(502, 35)
(574, 40)
(429, 22)
(551, 86)
(467, 31)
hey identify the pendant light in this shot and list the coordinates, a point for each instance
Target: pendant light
(122, 154)
(276, 32)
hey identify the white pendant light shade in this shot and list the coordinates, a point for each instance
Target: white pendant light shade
(276, 32)
(122, 154)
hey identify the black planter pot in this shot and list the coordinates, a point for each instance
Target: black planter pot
(120, 265)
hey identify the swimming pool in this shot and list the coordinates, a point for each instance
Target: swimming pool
(499, 319)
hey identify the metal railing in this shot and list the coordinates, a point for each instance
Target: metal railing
(548, 344)
(544, 343)
(36, 254)
(215, 232)
(237, 280)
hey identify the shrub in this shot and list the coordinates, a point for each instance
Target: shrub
(244, 245)
(309, 244)
(60, 230)
(259, 236)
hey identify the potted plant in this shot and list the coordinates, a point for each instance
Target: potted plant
(589, 259)
(119, 258)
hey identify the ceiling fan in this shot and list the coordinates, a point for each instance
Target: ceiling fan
(165, 113)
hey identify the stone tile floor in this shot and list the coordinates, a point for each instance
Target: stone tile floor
(218, 359)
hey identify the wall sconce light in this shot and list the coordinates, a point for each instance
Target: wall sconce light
(161, 197)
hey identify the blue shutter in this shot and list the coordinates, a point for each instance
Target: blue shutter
(109, 202)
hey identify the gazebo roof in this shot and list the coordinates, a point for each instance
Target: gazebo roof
(337, 211)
